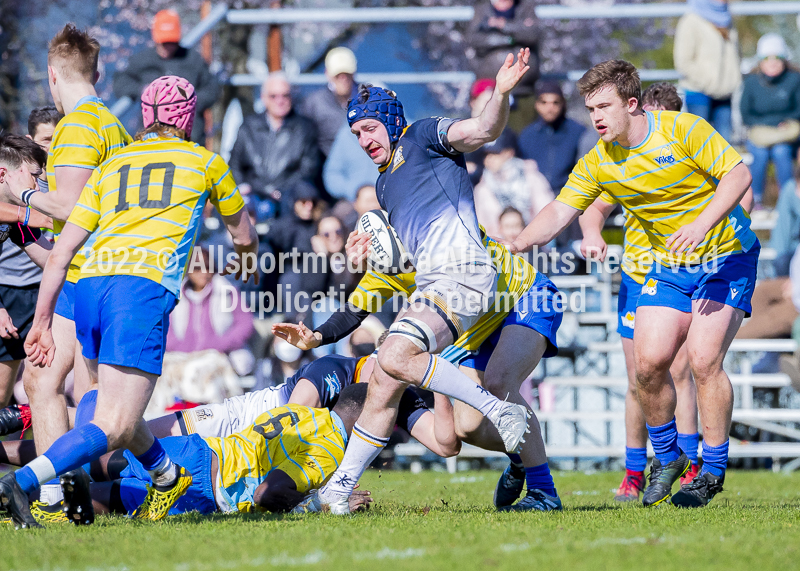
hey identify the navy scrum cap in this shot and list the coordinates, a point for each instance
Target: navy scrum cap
(381, 105)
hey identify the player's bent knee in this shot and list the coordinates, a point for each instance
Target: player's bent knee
(416, 331)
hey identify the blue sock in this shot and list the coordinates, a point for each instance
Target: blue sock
(76, 447)
(715, 459)
(665, 442)
(539, 478)
(635, 459)
(515, 459)
(154, 457)
(84, 414)
(688, 443)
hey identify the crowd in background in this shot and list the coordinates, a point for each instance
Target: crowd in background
(306, 182)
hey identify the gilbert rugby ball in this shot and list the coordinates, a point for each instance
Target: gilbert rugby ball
(386, 253)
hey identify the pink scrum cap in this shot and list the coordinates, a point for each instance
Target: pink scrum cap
(169, 100)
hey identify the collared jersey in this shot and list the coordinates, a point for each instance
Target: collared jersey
(637, 257)
(84, 138)
(145, 205)
(306, 443)
(665, 182)
(427, 192)
(330, 375)
(515, 276)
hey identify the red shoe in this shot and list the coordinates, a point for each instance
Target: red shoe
(15, 418)
(632, 485)
(694, 470)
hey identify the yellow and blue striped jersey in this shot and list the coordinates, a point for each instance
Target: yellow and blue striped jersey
(306, 443)
(665, 182)
(145, 205)
(84, 138)
(637, 257)
(514, 277)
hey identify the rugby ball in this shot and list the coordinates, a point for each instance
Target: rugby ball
(386, 252)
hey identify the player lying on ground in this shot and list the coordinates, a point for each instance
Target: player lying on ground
(683, 182)
(86, 137)
(147, 234)
(520, 336)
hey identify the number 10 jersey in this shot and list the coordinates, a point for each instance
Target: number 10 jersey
(306, 443)
(144, 206)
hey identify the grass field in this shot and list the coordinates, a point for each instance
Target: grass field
(441, 521)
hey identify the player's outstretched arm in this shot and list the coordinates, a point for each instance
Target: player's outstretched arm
(470, 134)
(11, 214)
(39, 344)
(548, 224)
(59, 203)
(245, 244)
(730, 191)
(277, 493)
(39, 251)
(591, 221)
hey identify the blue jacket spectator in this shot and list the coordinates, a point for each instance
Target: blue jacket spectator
(553, 139)
(785, 237)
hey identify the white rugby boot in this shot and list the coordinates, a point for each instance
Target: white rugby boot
(511, 421)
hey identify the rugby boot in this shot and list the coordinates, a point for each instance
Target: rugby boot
(77, 505)
(337, 504)
(632, 485)
(509, 486)
(694, 470)
(48, 513)
(699, 491)
(511, 421)
(309, 504)
(15, 418)
(536, 500)
(662, 478)
(160, 499)
(14, 502)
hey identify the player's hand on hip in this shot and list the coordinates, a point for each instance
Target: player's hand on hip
(7, 329)
(298, 335)
(594, 248)
(512, 71)
(357, 248)
(39, 347)
(686, 239)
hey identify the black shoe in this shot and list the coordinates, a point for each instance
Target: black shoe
(77, 497)
(14, 419)
(14, 502)
(509, 486)
(662, 478)
(699, 491)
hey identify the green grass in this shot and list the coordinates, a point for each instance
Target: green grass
(442, 521)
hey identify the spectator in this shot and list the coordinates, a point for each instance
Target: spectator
(511, 224)
(202, 319)
(771, 108)
(706, 55)
(508, 181)
(293, 233)
(552, 140)
(790, 364)
(366, 200)
(284, 361)
(327, 107)
(348, 167)
(275, 150)
(500, 27)
(168, 57)
(785, 237)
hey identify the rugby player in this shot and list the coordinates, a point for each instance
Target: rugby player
(637, 261)
(683, 183)
(87, 136)
(144, 204)
(518, 334)
(453, 270)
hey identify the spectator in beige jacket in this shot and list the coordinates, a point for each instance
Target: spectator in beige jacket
(707, 57)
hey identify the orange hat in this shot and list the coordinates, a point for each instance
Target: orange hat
(167, 27)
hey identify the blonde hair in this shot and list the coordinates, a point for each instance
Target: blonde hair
(75, 53)
(161, 130)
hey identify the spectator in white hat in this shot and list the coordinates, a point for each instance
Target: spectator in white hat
(327, 107)
(770, 109)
